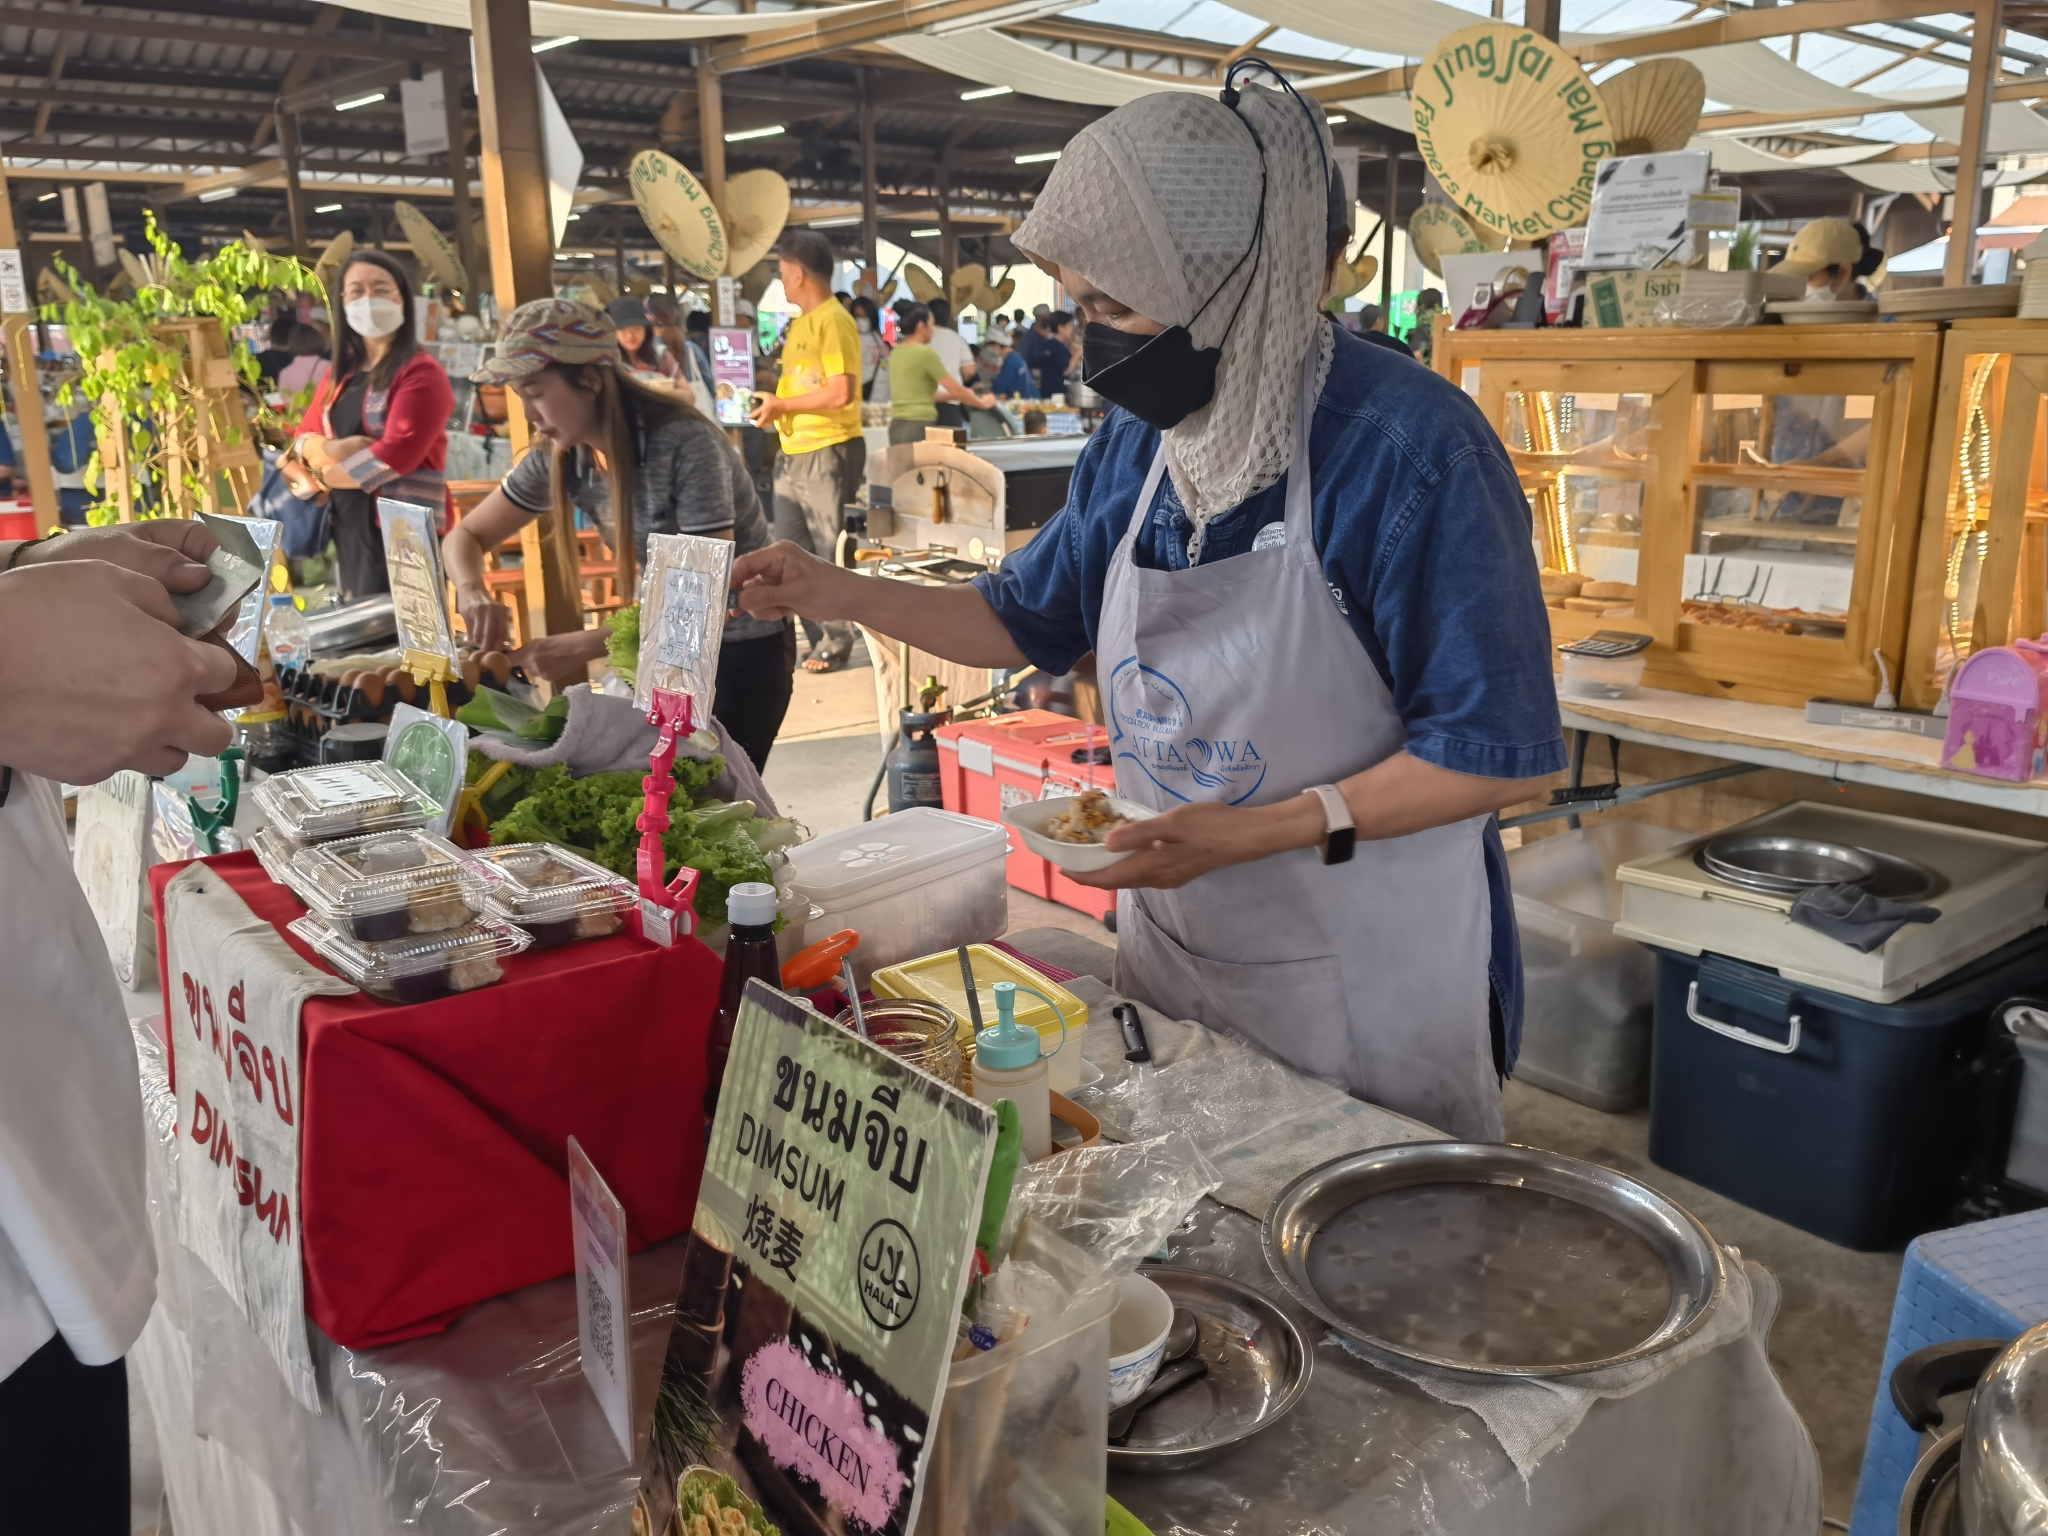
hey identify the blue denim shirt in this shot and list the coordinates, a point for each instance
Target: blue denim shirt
(1425, 539)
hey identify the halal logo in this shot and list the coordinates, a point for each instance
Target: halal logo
(889, 1275)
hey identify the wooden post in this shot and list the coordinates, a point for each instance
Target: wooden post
(619, 246)
(949, 241)
(294, 194)
(870, 208)
(453, 73)
(1985, 38)
(1393, 211)
(1542, 16)
(521, 230)
(20, 338)
(711, 129)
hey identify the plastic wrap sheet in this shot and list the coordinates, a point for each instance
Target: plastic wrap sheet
(488, 1428)
(1713, 1447)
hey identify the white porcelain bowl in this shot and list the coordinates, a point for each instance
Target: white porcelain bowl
(1031, 818)
(1137, 1337)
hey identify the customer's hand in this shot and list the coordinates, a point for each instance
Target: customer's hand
(561, 659)
(94, 676)
(766, 411)
(170, 550)
(485, 618)
(784, 580)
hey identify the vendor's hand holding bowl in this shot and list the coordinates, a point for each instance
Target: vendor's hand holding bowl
(1174, 847)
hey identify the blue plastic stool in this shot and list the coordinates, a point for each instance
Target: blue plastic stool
(1989, 1280)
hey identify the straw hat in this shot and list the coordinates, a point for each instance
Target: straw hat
(756, 208)
(923, 286)
(1511, 128)
(679, 214)
(1435, 232)
(1654, 107)
(431, 247)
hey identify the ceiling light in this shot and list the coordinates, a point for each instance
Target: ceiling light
(579, 255)
(358, 101)
(218, 194)
(923, 234)
(47, 197)
(573, 216)
(328, 208)
(753, 133)
(985, 92)
(1335, 118)
(1040, 158)
(556, 42)
(836, 221)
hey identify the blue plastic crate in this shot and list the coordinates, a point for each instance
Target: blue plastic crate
(1989, 1280)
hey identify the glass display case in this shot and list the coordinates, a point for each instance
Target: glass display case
(1747, 498)
(1982, 571)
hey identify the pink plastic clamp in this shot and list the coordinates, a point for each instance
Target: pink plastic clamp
(667, 910)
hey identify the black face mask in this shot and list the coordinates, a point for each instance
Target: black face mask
(1161, 379)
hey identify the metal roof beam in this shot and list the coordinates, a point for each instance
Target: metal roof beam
(238, 33)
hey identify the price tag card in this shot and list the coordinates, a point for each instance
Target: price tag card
(597, 1224)
(13, 284)
(682, 619)
(804, 1384)
(418, 595)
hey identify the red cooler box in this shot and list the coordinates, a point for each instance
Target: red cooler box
(987, 766)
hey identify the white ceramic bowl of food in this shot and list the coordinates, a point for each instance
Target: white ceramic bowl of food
(1137, 1337)
(1032, 817)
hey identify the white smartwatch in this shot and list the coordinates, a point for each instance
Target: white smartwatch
(1340, 832)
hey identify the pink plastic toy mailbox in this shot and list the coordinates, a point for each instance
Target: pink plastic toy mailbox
(1997, 722)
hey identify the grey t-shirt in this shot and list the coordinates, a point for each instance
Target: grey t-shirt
(691, 480)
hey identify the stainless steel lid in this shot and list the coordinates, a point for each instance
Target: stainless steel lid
(2004, 1475)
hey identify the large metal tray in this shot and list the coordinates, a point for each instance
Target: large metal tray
(1538, 1268)
(1778, 861)
(1258, 1369)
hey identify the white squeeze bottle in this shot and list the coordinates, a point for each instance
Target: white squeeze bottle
(1010, 1063)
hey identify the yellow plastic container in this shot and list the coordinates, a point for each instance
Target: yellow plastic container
(936, 978)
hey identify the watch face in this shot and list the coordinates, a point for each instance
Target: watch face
(1338, 846)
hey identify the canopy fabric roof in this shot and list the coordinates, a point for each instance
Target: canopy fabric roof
(606, 23)
(996, 58)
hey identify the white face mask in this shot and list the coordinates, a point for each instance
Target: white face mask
(374, 315)
(865, 328)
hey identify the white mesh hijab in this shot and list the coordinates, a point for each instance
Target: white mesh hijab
(1155, 203)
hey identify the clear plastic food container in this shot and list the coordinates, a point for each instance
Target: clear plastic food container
(274, 851)
(555, 895)
(422, 966)
(388, 884)
(312, 805)
(1602, 677)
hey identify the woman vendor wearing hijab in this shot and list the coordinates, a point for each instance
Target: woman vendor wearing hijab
(1304, 565)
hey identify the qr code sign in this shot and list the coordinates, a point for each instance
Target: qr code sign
(598, 1310)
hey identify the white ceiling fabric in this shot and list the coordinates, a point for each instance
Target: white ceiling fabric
(994, 58)
(604, 24)
(2014, 127)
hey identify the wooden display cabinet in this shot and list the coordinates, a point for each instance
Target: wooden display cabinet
(1747, 498)
(1982, 572)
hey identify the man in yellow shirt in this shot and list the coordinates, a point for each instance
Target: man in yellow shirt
(816, 408)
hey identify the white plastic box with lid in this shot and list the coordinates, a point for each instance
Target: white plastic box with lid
(910, 883)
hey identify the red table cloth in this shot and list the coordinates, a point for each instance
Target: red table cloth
(434, 1145)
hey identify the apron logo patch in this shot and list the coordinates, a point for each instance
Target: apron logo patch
(1153, 729)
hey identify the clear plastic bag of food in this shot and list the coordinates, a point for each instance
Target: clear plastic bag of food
(420, 967)
(555, 895)
(683, 597)
(311, 805)
(385, 885)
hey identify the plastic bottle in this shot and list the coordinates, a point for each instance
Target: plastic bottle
(1009, 1063)
(749, 952)
(285, 633)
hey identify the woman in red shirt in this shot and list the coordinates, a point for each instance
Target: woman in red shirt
(378, 425)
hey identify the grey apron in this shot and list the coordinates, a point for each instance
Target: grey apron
(1242, 682)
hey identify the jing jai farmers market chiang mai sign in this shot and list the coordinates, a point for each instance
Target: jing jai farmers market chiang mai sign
(1511, 127)
(821, 1289)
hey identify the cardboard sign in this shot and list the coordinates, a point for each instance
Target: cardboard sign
(597, 1226)
(13, 284)
(827, 1261)
(423, 104)
(412, 558)
(236, 989)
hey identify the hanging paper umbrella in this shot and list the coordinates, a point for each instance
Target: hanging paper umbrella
(328, 267)
(1435, 232)
(431, 247)
(923, 286)
(755, 280)
(989, 300)
(964, 284)
(1654, 106)
(256, 243)
(756, 208)
(1352, 276)
(1511, 128)
(679, 214)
